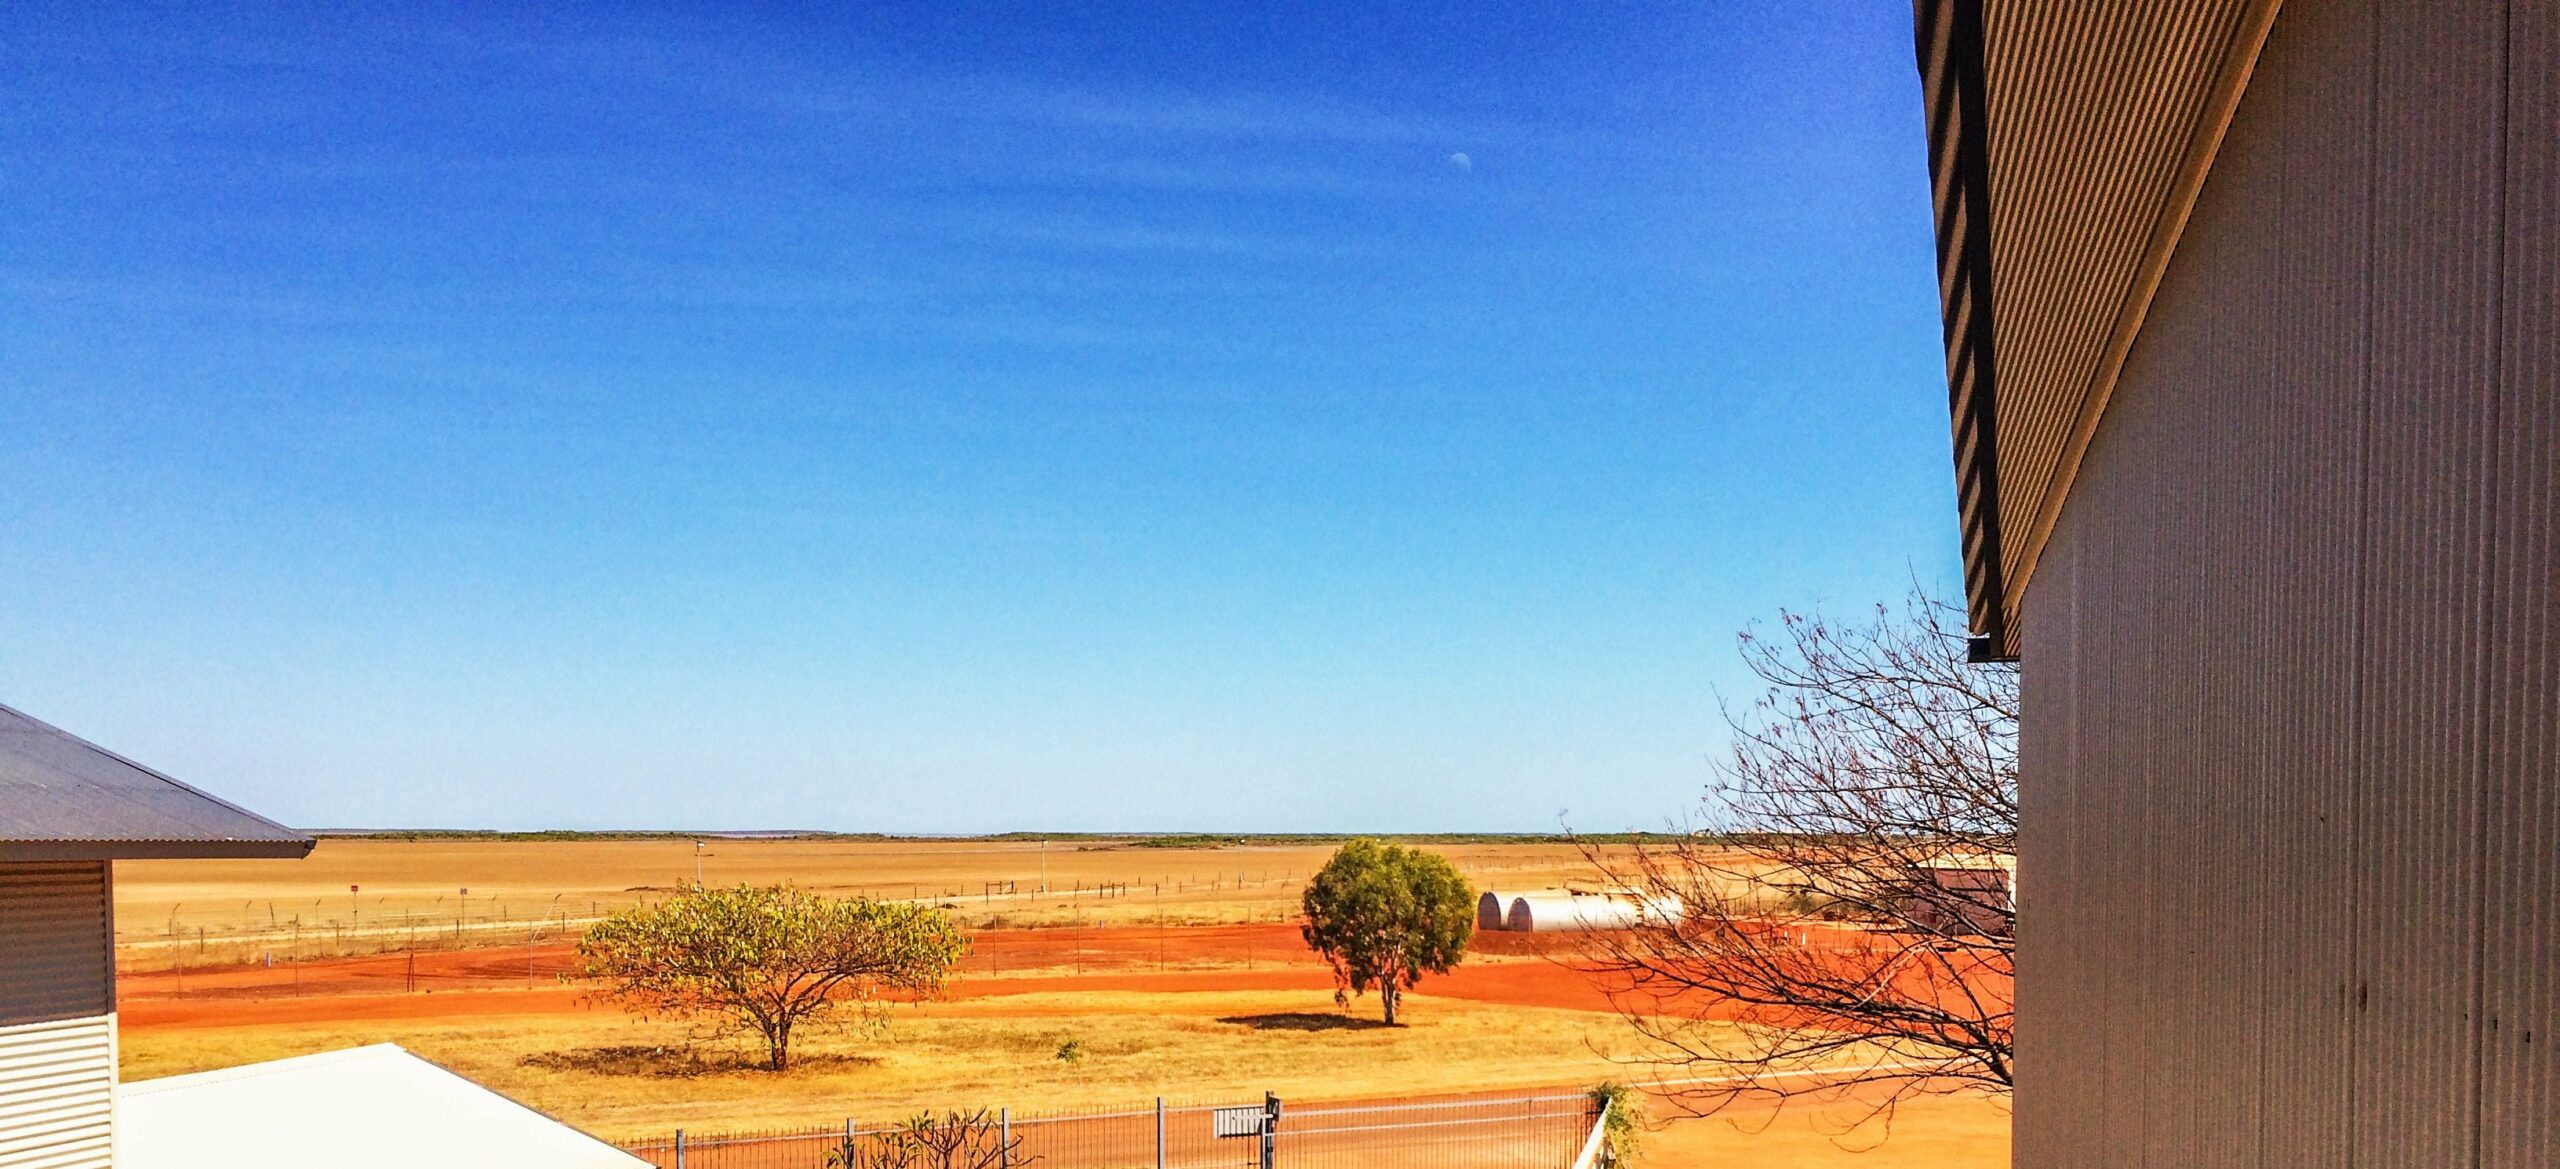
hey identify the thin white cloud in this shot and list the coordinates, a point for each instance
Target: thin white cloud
(1171, 113)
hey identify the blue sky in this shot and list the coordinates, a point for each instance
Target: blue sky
(952, 417)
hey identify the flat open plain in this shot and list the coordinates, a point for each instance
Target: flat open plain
(1183, 978)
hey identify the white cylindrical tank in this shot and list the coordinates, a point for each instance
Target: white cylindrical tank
(1489, 911)
(1553, 912)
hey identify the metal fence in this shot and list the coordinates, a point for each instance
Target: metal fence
(282, 930)
(1521, 1132)
(1514, 1132)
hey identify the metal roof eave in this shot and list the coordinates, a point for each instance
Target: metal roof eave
(20, 851)
(2052, 65)
(1948, 39)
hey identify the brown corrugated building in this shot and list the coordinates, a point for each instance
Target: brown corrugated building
(1962, 899)
(2252, 339)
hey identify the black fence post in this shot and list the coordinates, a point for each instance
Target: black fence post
(1270, 1129)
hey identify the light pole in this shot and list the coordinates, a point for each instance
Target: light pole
(697, 864)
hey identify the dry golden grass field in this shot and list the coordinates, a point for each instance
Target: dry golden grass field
(1187, 983)
(413, 892)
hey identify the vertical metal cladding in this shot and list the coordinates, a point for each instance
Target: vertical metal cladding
(2054, 1075)
(2520, 989)
(2438, 93)
(2202, 789)
(2291, 827)
(2297, 478)
(2229, 798)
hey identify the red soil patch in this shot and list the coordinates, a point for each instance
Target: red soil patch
(1005, 964)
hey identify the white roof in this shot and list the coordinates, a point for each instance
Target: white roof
(375, 1106)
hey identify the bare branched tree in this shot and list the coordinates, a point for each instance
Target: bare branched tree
(927, 1140)
(1842, 917)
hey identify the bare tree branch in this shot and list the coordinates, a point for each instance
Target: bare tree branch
(1843, 918)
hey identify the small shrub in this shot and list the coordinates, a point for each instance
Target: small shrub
(1622, 1122)
(1071, 1051)
(951, 1140)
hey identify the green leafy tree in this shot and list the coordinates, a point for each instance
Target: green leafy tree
(768, 960)
(1384, 915)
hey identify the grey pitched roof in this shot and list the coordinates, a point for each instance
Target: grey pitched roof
(63, 797)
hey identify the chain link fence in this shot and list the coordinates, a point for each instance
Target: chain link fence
(1512, 1132)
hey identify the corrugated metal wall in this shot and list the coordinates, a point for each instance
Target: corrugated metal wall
(59, 961)
(57, 1093)
(2291, 825)
(2520, 999)
(57, 1033)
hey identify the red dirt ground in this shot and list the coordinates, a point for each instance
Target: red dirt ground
(1537, 971)
(527, 980)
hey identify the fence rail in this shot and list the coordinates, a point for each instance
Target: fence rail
(1515, 1132)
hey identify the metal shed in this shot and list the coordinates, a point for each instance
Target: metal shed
(1555, 912)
